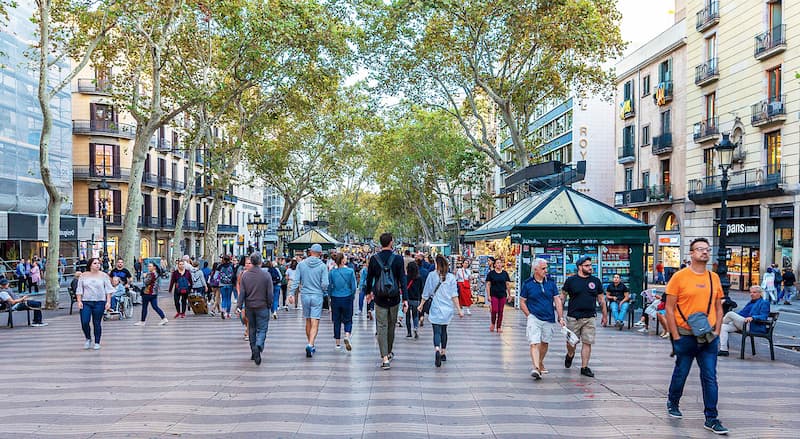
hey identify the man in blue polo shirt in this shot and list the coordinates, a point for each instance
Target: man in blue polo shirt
(537, 299)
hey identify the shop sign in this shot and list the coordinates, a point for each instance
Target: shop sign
(569, 241)
(68, 231)
(674, 241)
(741, 228)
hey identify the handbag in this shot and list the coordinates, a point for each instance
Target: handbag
(698, 321)
(426, 306)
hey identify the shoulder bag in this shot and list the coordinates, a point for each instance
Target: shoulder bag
(426, 306)
(698, 321)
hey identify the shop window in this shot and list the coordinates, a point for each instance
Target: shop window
(772, 142)
(784, 243)
(669, 223)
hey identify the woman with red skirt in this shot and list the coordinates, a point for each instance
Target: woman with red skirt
(463, 276)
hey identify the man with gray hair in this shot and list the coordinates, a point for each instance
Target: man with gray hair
(757, 309)
(538, 298)
(256, 299)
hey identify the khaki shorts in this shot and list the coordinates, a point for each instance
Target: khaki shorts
(538, 331)
(583, 328)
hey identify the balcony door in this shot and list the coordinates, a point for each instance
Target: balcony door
(773, 146)
(628, 179)
(147, 206)
(162, 208)
(665, 71)
(775, 19)
(103, 116)
(666, 122)
(665, 173)
(711, 108)
(711, 47)
(103, 160)
(774, 84)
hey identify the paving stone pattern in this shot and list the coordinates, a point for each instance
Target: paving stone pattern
(193, 378)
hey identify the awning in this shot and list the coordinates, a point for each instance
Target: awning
(562, 213)
(314, 236)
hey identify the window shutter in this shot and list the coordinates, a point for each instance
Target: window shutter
(92, 160)
(93, 111)
(92, 203)
(117, 203)
(115, 164)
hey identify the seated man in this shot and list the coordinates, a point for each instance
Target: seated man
(119, 291)
(756, 309)
(8, 298)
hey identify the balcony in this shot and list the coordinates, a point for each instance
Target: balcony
(103, 128)
(706, 130)
(651, 195)
(769, 111)
(625, 154)
(149, 222)
(167, 223)
(227, 228)
(164, 183)
(94, 87)
(99, 172)
(749, 184)
(230, 198)
(149, 179)
(770, 43)
(164, 144)
(178, 186)
(663, 93)
(662, 144)
(708, 16)
(111, 219)
(198, 190)
(706, 73)
(190, 225)
(626, 109)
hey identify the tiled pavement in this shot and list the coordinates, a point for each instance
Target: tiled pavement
(193, 378)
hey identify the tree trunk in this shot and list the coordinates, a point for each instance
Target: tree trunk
(210, 236)
(187, 198)
(130, 229)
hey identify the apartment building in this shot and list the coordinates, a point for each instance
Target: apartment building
(650, 135)
(102, 144)
(739, 52)
(574, 141)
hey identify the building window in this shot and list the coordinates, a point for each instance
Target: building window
(646, 217)
(646, 86)
(628, 179)
(666, 122)
(628, 91)
(665, 176)
(774, 84)
(628, 136)
(708, 160)
(645, 135)
(103, 160)
(646, 179)
(711, 47)
(711, 107)
(665, 71)
(773, 145)
(775, 18)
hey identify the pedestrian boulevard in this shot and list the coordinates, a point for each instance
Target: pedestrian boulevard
(193, 378)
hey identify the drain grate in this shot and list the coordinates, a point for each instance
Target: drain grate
(793, 347)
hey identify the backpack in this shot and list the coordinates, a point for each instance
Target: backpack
(386, 285)
(213, 280)
(183, 285)
(226, 275)
(276, 275)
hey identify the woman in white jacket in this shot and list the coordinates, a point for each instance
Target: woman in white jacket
(768, 285)
(441, 285)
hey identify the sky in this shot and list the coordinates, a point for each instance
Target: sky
(644, 19)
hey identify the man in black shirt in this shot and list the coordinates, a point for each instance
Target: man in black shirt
(121, 272)
(789, 289)
(584, 290)
(386, 307)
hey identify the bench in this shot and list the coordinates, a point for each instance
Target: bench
(11, 311)
(630, 313)
(72, 299)
(770, 323)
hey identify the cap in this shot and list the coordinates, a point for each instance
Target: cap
(316, 248)
(4, 282)
(582, 260)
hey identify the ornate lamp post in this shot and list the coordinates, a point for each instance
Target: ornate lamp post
(283, 235)
(103, 189)
(725, 154)
(256, 229)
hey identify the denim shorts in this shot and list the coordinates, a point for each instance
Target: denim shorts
(312, 306)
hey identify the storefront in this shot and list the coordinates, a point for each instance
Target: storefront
(783, 234)
(560, 225)
(744, 253)
(25, 235)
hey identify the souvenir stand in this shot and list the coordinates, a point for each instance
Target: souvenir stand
(313, 236)
(561, 225)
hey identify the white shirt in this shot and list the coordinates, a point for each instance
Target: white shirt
(94, 288)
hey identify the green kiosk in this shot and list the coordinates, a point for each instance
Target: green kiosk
(311, 237)
(561, 225)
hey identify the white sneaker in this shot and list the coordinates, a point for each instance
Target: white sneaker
(163, 321)
(40, 324)
(139, 323)
(97, 346)
(639, 324)
(88, 344)
(642, 330)
(469, 313)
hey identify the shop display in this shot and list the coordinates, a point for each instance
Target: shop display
(615, 260)
(503, 249)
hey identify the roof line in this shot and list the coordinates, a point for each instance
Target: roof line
(541, 205)
(575, 208)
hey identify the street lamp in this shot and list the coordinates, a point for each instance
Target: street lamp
(104, 188)
(283, 236)
(725, 154)
(256, 229)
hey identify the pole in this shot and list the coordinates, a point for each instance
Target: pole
(722, 251)
(104, 211)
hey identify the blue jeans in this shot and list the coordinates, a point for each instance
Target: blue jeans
(342, 314)
(618, 311)
(361, 295)
(686, 350)
(93, 310)
(225, 294)
(276, 297)
(660, 278)
(35, 305)
(440, 336)
(257, 325)
(412, 316)
(152, 300)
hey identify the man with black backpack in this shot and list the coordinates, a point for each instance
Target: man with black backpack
(386, 286)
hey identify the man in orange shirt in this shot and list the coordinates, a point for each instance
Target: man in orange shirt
(691, 290)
